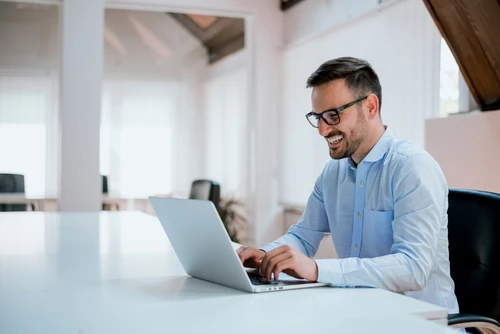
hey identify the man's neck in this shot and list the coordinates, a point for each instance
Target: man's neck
(368, 145)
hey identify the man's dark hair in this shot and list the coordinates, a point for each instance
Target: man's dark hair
(358, 74)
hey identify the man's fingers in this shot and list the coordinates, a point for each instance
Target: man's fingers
(243, 253)
(249, 256)
(272, 254)
(280, 250)
(272, 264)
(241, 249)
(282, 266)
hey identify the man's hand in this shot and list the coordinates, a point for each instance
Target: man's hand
(250, 257)
(290, 261)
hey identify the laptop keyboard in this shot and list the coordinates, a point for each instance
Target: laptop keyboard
(258, 279)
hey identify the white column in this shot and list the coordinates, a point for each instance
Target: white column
(264, 124)
(82, 25)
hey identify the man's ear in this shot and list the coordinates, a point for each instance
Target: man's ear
(372, 104)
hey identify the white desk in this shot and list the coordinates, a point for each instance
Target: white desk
(115, 272)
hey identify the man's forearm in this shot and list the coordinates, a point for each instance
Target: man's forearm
(287, 239)
(394, 272)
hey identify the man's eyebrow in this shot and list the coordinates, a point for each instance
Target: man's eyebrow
(330, 109)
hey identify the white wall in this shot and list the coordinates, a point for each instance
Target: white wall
(29, 39)
(467, 147)
(312, 18)
(402, 44)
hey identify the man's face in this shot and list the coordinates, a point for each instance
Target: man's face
(345, 138)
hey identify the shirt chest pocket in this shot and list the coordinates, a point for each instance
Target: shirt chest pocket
(377, 232)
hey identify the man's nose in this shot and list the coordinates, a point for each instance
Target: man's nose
(323, 128)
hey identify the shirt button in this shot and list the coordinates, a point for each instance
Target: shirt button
(356, 247)
(360, 183)
(358, 214)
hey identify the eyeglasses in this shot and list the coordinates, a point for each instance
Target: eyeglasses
(331, 116)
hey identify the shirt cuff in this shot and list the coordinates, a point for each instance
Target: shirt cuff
(287, 239)
(268, 247)
(330, 271)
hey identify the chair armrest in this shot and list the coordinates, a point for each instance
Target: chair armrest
(483, 324)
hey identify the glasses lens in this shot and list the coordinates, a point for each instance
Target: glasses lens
(313, 119)
(331, 117)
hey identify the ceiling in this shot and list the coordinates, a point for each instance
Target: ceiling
(133, 39)
(135, 42)
(221, 36)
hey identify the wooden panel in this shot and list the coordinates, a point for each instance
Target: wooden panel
(225, 35)
(287, 4)
(472, 29)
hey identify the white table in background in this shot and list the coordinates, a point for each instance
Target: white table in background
(113, 201)
(20, 198)
(115, 272)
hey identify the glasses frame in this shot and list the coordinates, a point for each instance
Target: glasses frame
(336, 110)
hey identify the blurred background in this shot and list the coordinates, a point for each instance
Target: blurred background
(146, 99)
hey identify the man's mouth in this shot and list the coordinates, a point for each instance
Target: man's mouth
(334, 141)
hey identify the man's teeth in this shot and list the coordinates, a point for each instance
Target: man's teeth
(335, 139)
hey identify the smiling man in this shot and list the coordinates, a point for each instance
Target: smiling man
(383, 200)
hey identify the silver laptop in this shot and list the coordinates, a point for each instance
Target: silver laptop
(204, 249)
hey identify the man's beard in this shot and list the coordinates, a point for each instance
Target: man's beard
(351, 145)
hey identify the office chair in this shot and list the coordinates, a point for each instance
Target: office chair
(474, 245)
(105, 206)
(104, 184)
(205, 190)
(13, 184)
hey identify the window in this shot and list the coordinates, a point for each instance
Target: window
(449, 82)
(136, 137)
(29, 66)
(27, 107)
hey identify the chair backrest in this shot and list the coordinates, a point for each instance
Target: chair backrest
(12, 183)
(474, 245)
(205, 190)
(104, 184)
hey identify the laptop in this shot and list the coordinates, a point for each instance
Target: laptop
(205, 250)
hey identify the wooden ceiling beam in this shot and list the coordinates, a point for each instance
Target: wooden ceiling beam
(472, 29)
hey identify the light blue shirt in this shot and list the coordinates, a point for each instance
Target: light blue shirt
(388, 220)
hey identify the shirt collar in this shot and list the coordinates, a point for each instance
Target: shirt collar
(381, 147)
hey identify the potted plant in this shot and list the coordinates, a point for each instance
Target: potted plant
(232, 214)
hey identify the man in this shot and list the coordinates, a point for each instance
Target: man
(383, 200)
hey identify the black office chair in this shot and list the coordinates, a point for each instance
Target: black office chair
(474, 244)
(104, 184)
(205, 190)
(13, 184)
